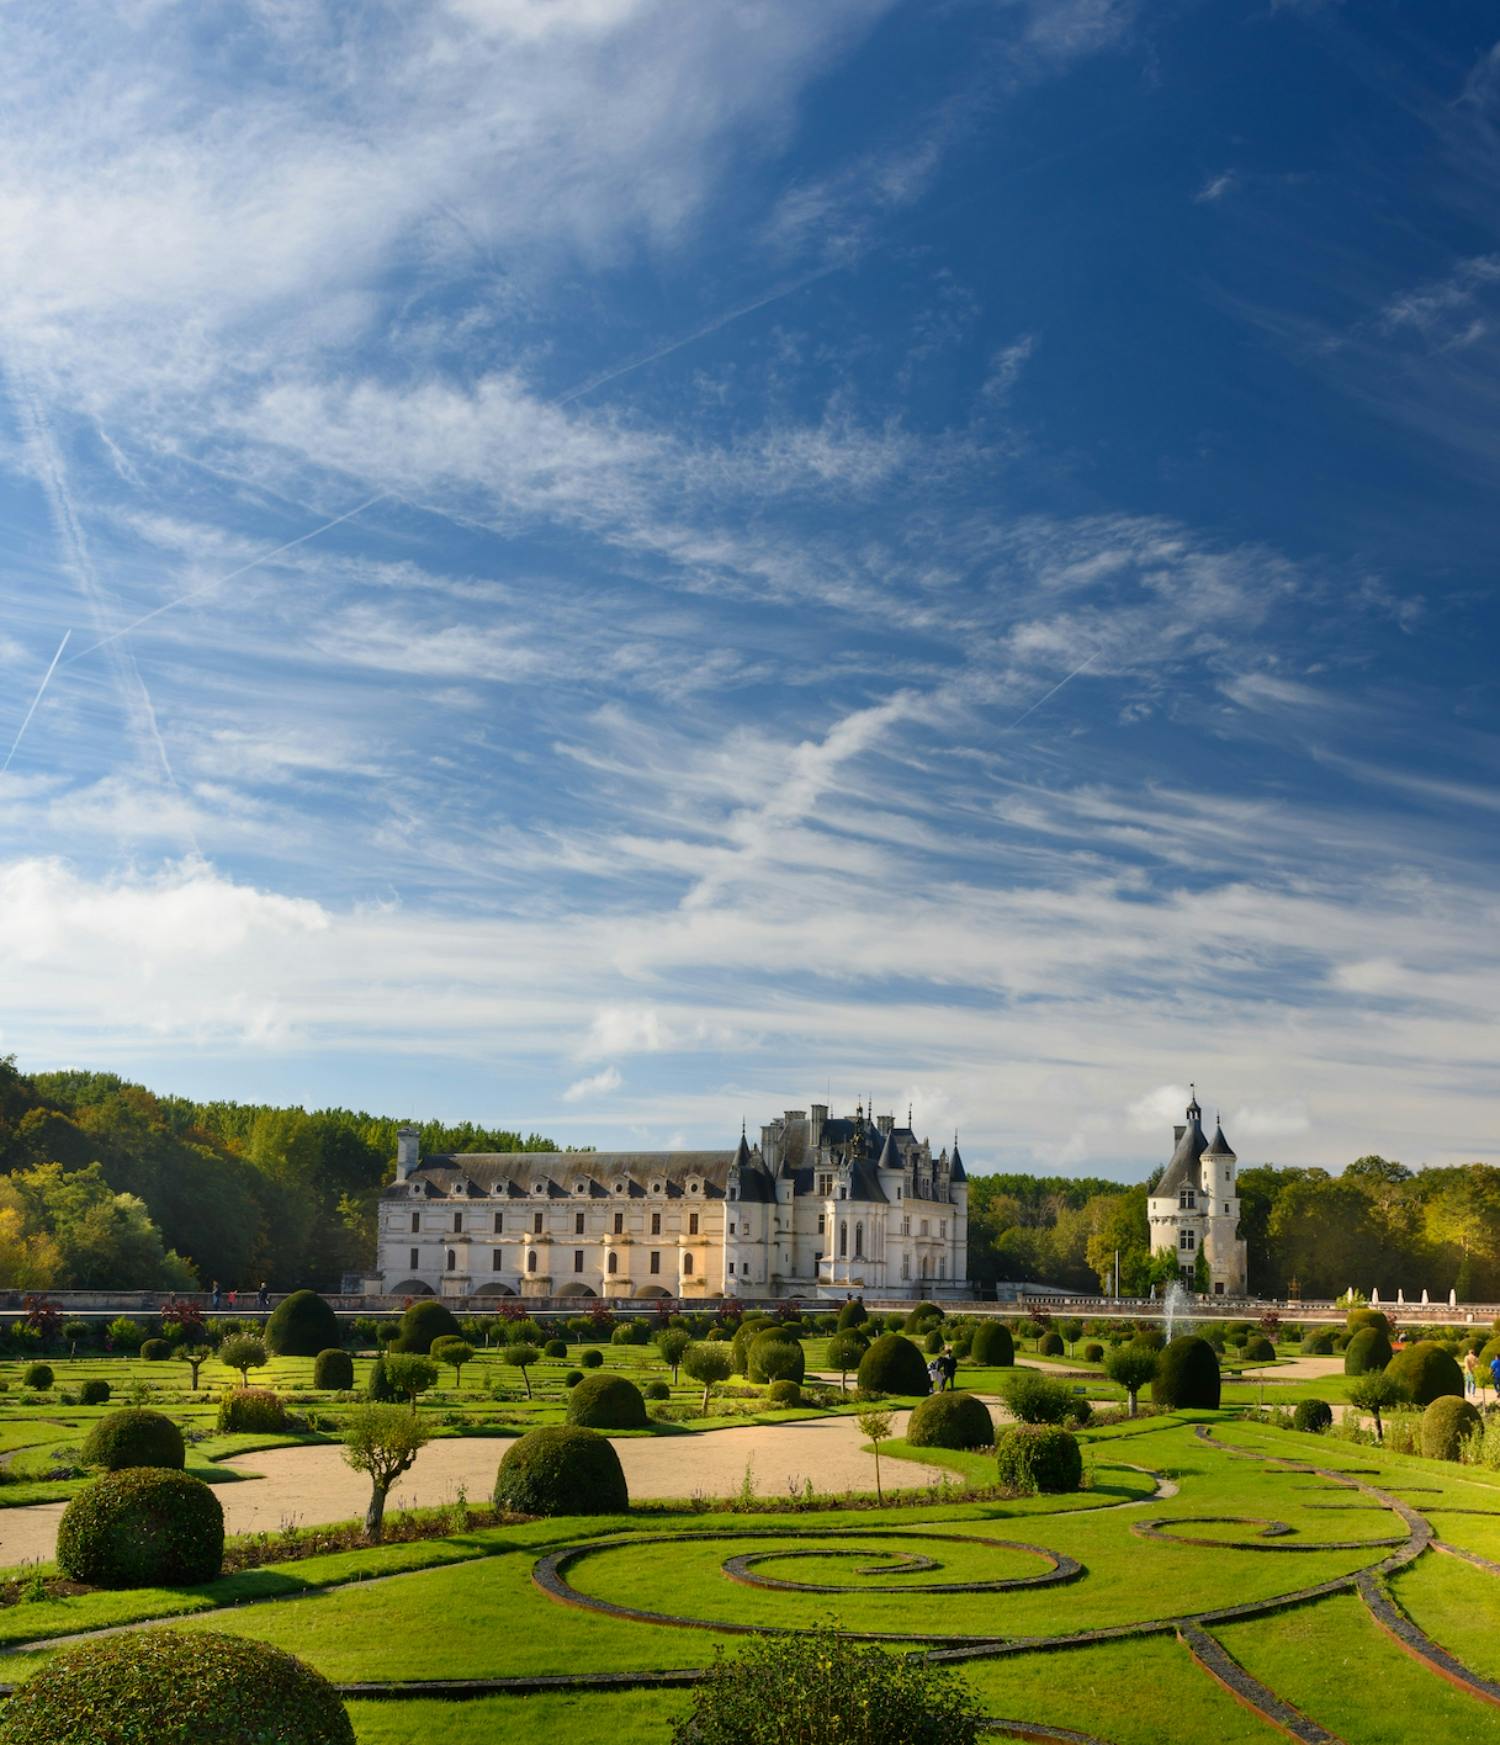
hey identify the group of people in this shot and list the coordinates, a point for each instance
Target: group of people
(217, 1297)
(943, 1370)
(1474, 1375)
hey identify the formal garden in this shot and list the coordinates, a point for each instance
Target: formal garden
(1099, 1533)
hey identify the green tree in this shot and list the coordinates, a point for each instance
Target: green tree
(244, 1352)
(455, 1353)
(521, 1356)
(409, 1374)
(671, 1342)
(1132, 1368)
(382, 1441)
(844, 1353)
(875, 1423)
(1372, 1393)
(708, 1362)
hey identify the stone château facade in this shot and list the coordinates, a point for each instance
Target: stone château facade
(819, 1206)
(1195, 1207)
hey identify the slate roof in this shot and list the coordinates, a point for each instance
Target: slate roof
(1183, 1169)
(510, 1174)
(1220, 1146)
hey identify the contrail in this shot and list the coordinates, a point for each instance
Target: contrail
(26, 719)
(1055, 689)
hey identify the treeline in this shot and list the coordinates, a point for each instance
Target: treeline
(1308, 1231)
(104, 1184)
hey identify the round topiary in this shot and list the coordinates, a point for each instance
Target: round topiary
(784, 1393)
(155, 1351)
(921, 1317)
(893, 1365)
(1357, 1318)
(147, 1526)
(1425, 1372)
(134, 1437)
(1489, 1351)
(950, 1420)
(1317, 1345)
(993, 1347)
(591, 1358)
(774, 1357)
(556, 1348)
(302, 1325)
(1187, 1375)
(607, 1402)
(1445, 1425)
(561, 1470)
(176, 1687)
(421, 1324)
(1093, 1352)
(1312, 1415)
(852, 1314)
(657, 1390)
(1367, 1351)
(739, 1346)
(1259, 1349)
(37, 1377)
(94, 1392)
(1038, 1457)
(1051, 1345)
(933, 1343)
(333, 1369)
(572, 1378)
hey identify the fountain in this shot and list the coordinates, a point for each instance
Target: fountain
(1174, 1307)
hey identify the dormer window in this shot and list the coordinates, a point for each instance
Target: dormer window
(619, 1187)
(579, 1188)
(656, 1187)
(694, 1187)
(1187, 1200)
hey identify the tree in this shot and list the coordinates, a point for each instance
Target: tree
(28, 1262)
(194, 1356)
(844, 1353)
(1371, 1393)
(1130, 1367)
(708, 1362)
(243, 1352)
(875, 1423)
(383, 1441)
(671, 1342)
(520, 1356)
(410, 1374)
(455, 1353)
(1202, 1279)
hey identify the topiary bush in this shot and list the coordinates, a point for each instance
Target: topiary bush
(933, 1343)
(1445, 1425)
(94, 1392)
(1149, 1338)
(591, 1358)
(657, 1390)
(303, 1324)
(1357, 1318)
(175, 1687)
(920, 1318)
(333, 1369)
(1259, 1349)
(950, 1420)
(1051, 1345)
(1317, 1345)
(993, 1347)
(156, 1351)
(607, 1402)
(1425, 1372)
(1368, 1350)
(146, 1526)
(627, 1333)
(134, 1437)
(37, 1377)
(1187, 1375)
(562, 1469)
(1314, 1416)
(1038, 1457)
(572, 1378)
(774, 1357)
(253, 1411)
(1038, 1399)
(893, 1365)
(556, 1348)
(1093, 1352)
(784, 1393)
(421, 1324)
(852, 1314)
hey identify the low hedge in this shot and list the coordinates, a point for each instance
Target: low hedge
(333, 1369)
(1445, 1425)
(607, 1402)
(1038, 1457)
(134, 1437)
(303, 1324)
(562, 1469)
(146, 1526)
(256, 1411)
(893, 1365)
(1425, 1372)
(1312, 1415)
(993, 1347)
(176, 1687)
(950, 1420)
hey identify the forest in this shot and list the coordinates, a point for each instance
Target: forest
(106, 1184)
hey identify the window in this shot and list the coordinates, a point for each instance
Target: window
(578, 1260)
(578, 1188)
(613, 1264)
(1187, 1200)
(859, 1241)
(692, 1223)
(825, 1186)
(730, 1268)
(656, 1187)
(497, 1260)
(942, 1226)
(452, 1260)
(499, 1223)
(687, 1266)
(843, 1240)
(656, 1223)
(619, 1223)
(924, 1226)
(536, 1222)
(531, 1261)
(822, 1221)
(458, 1221)
(731, 1229)
(898, 1195)
(414, 1260)
(656, 1260)
(906, 1266)
(416, 1222)
(693, 1187)
(1187, 1240)
(906, 1226)
(578, 1223)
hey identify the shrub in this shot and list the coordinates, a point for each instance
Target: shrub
(94, 1392)
(993, 1347)
(125, 1334)
(1187, 1375)
(1357, 1318)
(708, 1362)
(893, 1365)
(1425, 1372)
(156, 1351)
(422, 1323)
(37, 1377)
(572, 1378)
(657, 1390)
(1131, 1366)
(251, 1411)
(556, 1348)
(950, 1420)
(561, 1470)
(134, 1437)
(853, 1314)
(333, 1369)
(1153, 1339)
(144, 1527)
(921, 1317)
(1079, 1412)
(1038, 1457)
(1368, 1349)
(1051, 1345)
(175, 1687)
(1318, 1344)
(1038, 1399)
(607, 1402)
(739, 1346)
(1260, 1349)
(628, 1333)
(845, 1351)
(784, 1393)
(592, 1358)
(302, 1325)
(1314, 1416)
(773, 1357)
(379, 1387)
(1093, 1352)
(1445, 1425)
(243, 1352)
(933, 1343)
(1489, 1351)
(410, 1374)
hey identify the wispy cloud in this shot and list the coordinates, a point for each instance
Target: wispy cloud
(599, 1084)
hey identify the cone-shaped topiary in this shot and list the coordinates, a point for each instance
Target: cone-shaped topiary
(176, 1687)
(607, 1402)
(775, 1357)
(1368, 1350)
(134, 1437)
(1425, 1372)
(333, 1369)
(562, 1469)
(302, 1325)
(1187, 1375)
(1445, 1424)
(951, 1420)
(144, 1527)
(853, 1314)
(421, 1324)
(993, 1347)
(893, 1365)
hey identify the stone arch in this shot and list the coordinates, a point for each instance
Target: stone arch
(574, 1289)
(412, 1287)
(651, 1291)
(493, 1289)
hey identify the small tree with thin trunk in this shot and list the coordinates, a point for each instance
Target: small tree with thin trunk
(456, 1353)
(1370, 1393)
(708, 1362)
(243, 1353)
(382, 1441)
(671, 1342)
(73, 1331)
(194, 1356)
(844, 1352)
(520, 1357)
(410, 1374)
(1072, 1331)
(1131, 1367)
(876, 1424)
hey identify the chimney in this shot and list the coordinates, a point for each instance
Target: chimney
(408, 1151)
(1177, 1133)
(819, 1122)
(885, 1123)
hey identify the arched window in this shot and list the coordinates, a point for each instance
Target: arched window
(843, 1240)
(531, 1261)
(452, 1261)
(687, 1266)
(859, 1241)
(925, 1264)
(613, 1263)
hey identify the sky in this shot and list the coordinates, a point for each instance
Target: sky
(612, 568)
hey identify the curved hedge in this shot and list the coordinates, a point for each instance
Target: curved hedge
(174, 1687)
(302, 1325)
(134, 1437)
(607, 1402)
(775, 1357)
(562, 1469)
(1445, 1424)
(421, 1324)
(1425, 1372)
(950, 1420)
(1038, 1457)
(1187, 1375)
(893, 1365)
(146, 1526)
(1368, 1349)
(993, 1347)
(1312, 1415)
(333, 1369)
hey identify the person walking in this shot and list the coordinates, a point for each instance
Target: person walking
(1471, 1373)
(1495, 1373)
(949, 1365)
(935, 1376)
(263, 1296)
(215, 1296)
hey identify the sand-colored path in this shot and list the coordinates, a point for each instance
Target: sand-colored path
(311, 1485)
(1293, 1369)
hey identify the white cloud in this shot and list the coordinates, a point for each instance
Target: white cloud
(1215, 188)
(599, 1084)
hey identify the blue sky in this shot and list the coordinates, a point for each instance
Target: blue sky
(625, 565)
